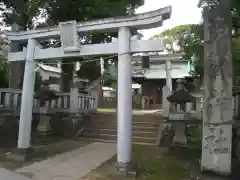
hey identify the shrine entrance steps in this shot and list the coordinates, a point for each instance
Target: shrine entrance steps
(102, 127)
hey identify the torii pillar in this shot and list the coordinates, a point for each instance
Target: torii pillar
(24, 134)
(124, 103)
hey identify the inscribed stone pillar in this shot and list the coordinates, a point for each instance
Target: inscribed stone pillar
(217, 112)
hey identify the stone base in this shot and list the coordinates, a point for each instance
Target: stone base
(214, 173)
(121, 171)
(216, 148)
(126, 169)
(21, 155)
(44, 127)
(180, 136)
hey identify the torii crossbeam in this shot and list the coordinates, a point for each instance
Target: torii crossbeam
(68, 32)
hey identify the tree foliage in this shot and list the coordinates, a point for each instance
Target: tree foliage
(26, 13)
(3, 72)
(3, 62)
(21, 12)
(190, 40)
(171, 38)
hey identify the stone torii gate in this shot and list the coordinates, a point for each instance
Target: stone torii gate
(71, 47)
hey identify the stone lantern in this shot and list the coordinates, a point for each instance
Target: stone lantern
(179, 116)
(45, 95)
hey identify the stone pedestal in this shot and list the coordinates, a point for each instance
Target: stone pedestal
(126, 170)
(216, 148)
(21, 155)
(180, 136)
(44, 124)
(129, 173)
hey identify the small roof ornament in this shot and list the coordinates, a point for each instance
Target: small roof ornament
(181, 95)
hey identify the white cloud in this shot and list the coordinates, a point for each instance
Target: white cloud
(183, 12)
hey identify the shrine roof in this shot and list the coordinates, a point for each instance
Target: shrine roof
(161, 73)
(50, 68)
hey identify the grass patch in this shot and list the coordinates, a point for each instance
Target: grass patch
(156, 165)
(153, 164)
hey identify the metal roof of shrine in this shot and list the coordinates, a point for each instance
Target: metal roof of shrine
(161, 74)
(180, 69)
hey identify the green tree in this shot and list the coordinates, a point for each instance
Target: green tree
(171, 38)
(61, 10)
(21, 12)
(190, 40)
(24, 12)
(3, 62)
(3, 72)
(192, 45)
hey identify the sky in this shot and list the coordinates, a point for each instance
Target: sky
(183, 12)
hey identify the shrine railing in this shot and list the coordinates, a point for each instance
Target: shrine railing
(11, 99)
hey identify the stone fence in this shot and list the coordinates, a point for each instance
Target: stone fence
(72, 102)
(111, 102)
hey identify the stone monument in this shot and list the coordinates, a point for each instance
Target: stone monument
(218, 109)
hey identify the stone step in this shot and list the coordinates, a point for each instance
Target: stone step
(137, 118)
(151, 134)
(135, 139)
(134, 128)
(133, 121)
(113, 117)
(112, 141)
(100, 125)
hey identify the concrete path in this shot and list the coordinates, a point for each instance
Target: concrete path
(9, 175)
(70, 165)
